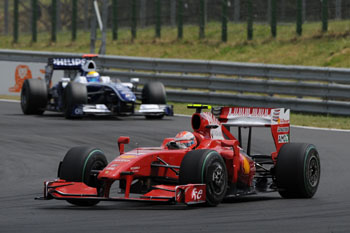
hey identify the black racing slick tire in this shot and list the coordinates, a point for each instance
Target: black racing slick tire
(77, 166)
(205, 167)
(298, 170)
(74, 94)
(34, 96)
(154, 93)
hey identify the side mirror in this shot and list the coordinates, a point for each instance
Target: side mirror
(121, 142)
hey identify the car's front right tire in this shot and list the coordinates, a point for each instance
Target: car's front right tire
(75, 94)
(205, 167)
(154, 93)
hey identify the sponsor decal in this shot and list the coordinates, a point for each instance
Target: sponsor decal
(246, 166)
(283, 138)
(196, 194)
(135, 169)
(250, 112)
(283, 129)
(127, 156)
(122, 160)
(110, 168)
(22, 73)
(68, 61)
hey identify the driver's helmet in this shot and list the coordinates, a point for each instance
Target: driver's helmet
(185, 139)
(93, 76)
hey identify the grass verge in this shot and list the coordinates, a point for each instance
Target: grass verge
(313, 48)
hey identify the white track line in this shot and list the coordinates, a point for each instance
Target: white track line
(11, 101)
(183, 115)
(324, 129)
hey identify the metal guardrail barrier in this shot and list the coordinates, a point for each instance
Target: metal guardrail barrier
(300, 88)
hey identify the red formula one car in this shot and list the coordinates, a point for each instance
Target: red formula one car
(203, 166)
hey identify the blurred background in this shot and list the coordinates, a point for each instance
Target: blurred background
(44, 15)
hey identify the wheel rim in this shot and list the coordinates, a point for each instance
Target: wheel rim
(90, 179)
(218, 179)
(98, 165)
(313, 171)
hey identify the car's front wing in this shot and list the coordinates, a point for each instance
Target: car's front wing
(145, 110)
(188, 194)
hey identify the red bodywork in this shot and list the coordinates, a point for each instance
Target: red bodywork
(144, 165)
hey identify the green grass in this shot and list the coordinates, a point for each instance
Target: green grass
(322, 121)
(313, 48)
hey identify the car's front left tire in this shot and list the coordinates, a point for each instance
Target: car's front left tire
(77, 166)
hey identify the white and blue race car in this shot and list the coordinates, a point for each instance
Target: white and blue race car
(82, 91)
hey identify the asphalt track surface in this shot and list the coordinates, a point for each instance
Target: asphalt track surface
(32, 146)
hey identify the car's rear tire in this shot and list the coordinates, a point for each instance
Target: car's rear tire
(154, 93)
(77, 166)
(298, 170)
(74, 94)
(205, 167)
(33, 96)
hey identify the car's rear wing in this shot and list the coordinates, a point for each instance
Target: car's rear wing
(69, 63)
(72, 63)
(82, 64)
(277, 119)
(249, 116)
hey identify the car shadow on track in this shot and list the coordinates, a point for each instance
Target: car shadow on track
(250, 199)
(151, 206)
(118, 206)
